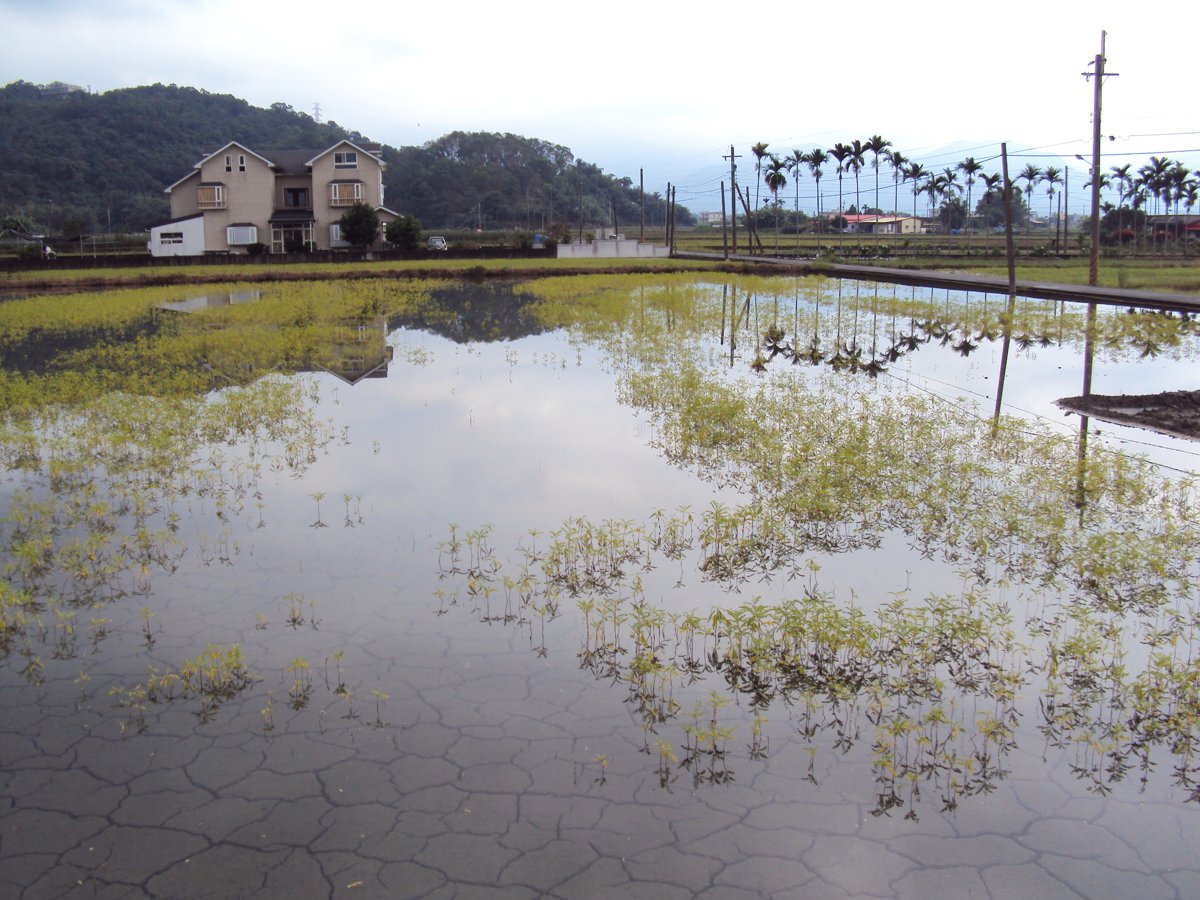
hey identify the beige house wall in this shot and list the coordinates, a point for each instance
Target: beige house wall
(249, 195)
(368, 170)
(283, 182)
(253, 192)
(183, 197)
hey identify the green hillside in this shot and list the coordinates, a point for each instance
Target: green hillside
(99, 162)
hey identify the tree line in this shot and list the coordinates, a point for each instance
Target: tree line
(1162, 186)
(84, 163)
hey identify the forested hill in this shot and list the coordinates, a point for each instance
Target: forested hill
(99, 162)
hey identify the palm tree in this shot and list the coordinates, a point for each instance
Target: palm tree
(1124, 182)
(858, 159)
(949, 187)
(991, 190)
(1032, 175)
(915, 173)
(841, 152)
(1052, 177)
(815, 159)
(760, 151)
(775, 180)
(878, 147)
(935, 186)
(794, 162)
(970, 169)
(1191, 194)
(1177, 177)
(898, 161)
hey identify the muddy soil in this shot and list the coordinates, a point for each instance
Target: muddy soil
(1171, 412)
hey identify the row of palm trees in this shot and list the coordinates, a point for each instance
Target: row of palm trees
(1167, 183)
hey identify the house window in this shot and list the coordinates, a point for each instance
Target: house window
(228, 163)
(295, 198)
(210, 196)
(236, 235)
(344, 193)
(170, 237)
(241, 162)
(347, 159)
(336, 241)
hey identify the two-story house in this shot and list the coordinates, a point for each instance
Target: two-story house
(286, 200)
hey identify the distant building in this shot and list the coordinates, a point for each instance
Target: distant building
(711, 218)
(288, 200)
(873, 223)
(61, 89)
(606, 244)
(1175, 223)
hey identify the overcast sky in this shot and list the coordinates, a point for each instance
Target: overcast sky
(662, 86)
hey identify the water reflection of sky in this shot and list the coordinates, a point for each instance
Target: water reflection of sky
(500, 766)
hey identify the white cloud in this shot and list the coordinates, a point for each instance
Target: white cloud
(665, 86)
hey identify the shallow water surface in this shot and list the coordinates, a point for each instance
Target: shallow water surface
(649, 586)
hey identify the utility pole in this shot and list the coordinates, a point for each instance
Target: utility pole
(732, 157)
(317, 113)
(724, 239)
(642, 203)
(1098, 73)
(1066, 207)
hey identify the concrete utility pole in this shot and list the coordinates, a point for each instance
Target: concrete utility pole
(732, 157)
(1098, 74)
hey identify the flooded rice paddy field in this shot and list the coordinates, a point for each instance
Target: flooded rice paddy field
(661, 586)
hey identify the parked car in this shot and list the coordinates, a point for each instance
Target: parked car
(437, 243)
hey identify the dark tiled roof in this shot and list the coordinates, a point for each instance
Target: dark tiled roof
(290, 162)
(289, 216)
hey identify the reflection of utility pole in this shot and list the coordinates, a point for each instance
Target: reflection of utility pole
(1098, 74)
(732, 157)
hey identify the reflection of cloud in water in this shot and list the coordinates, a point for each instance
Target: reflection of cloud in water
(472, 437)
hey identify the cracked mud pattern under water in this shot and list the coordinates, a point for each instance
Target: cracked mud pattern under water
(483, 782)
(451, 749)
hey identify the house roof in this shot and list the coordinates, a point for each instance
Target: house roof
(240, 147)
(873, 217)
(209, 156)
(283, 162)
(291, 162)
(195, 215)
(291, 216)
(375, 154)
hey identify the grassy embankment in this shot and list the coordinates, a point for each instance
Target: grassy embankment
(977, 254)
